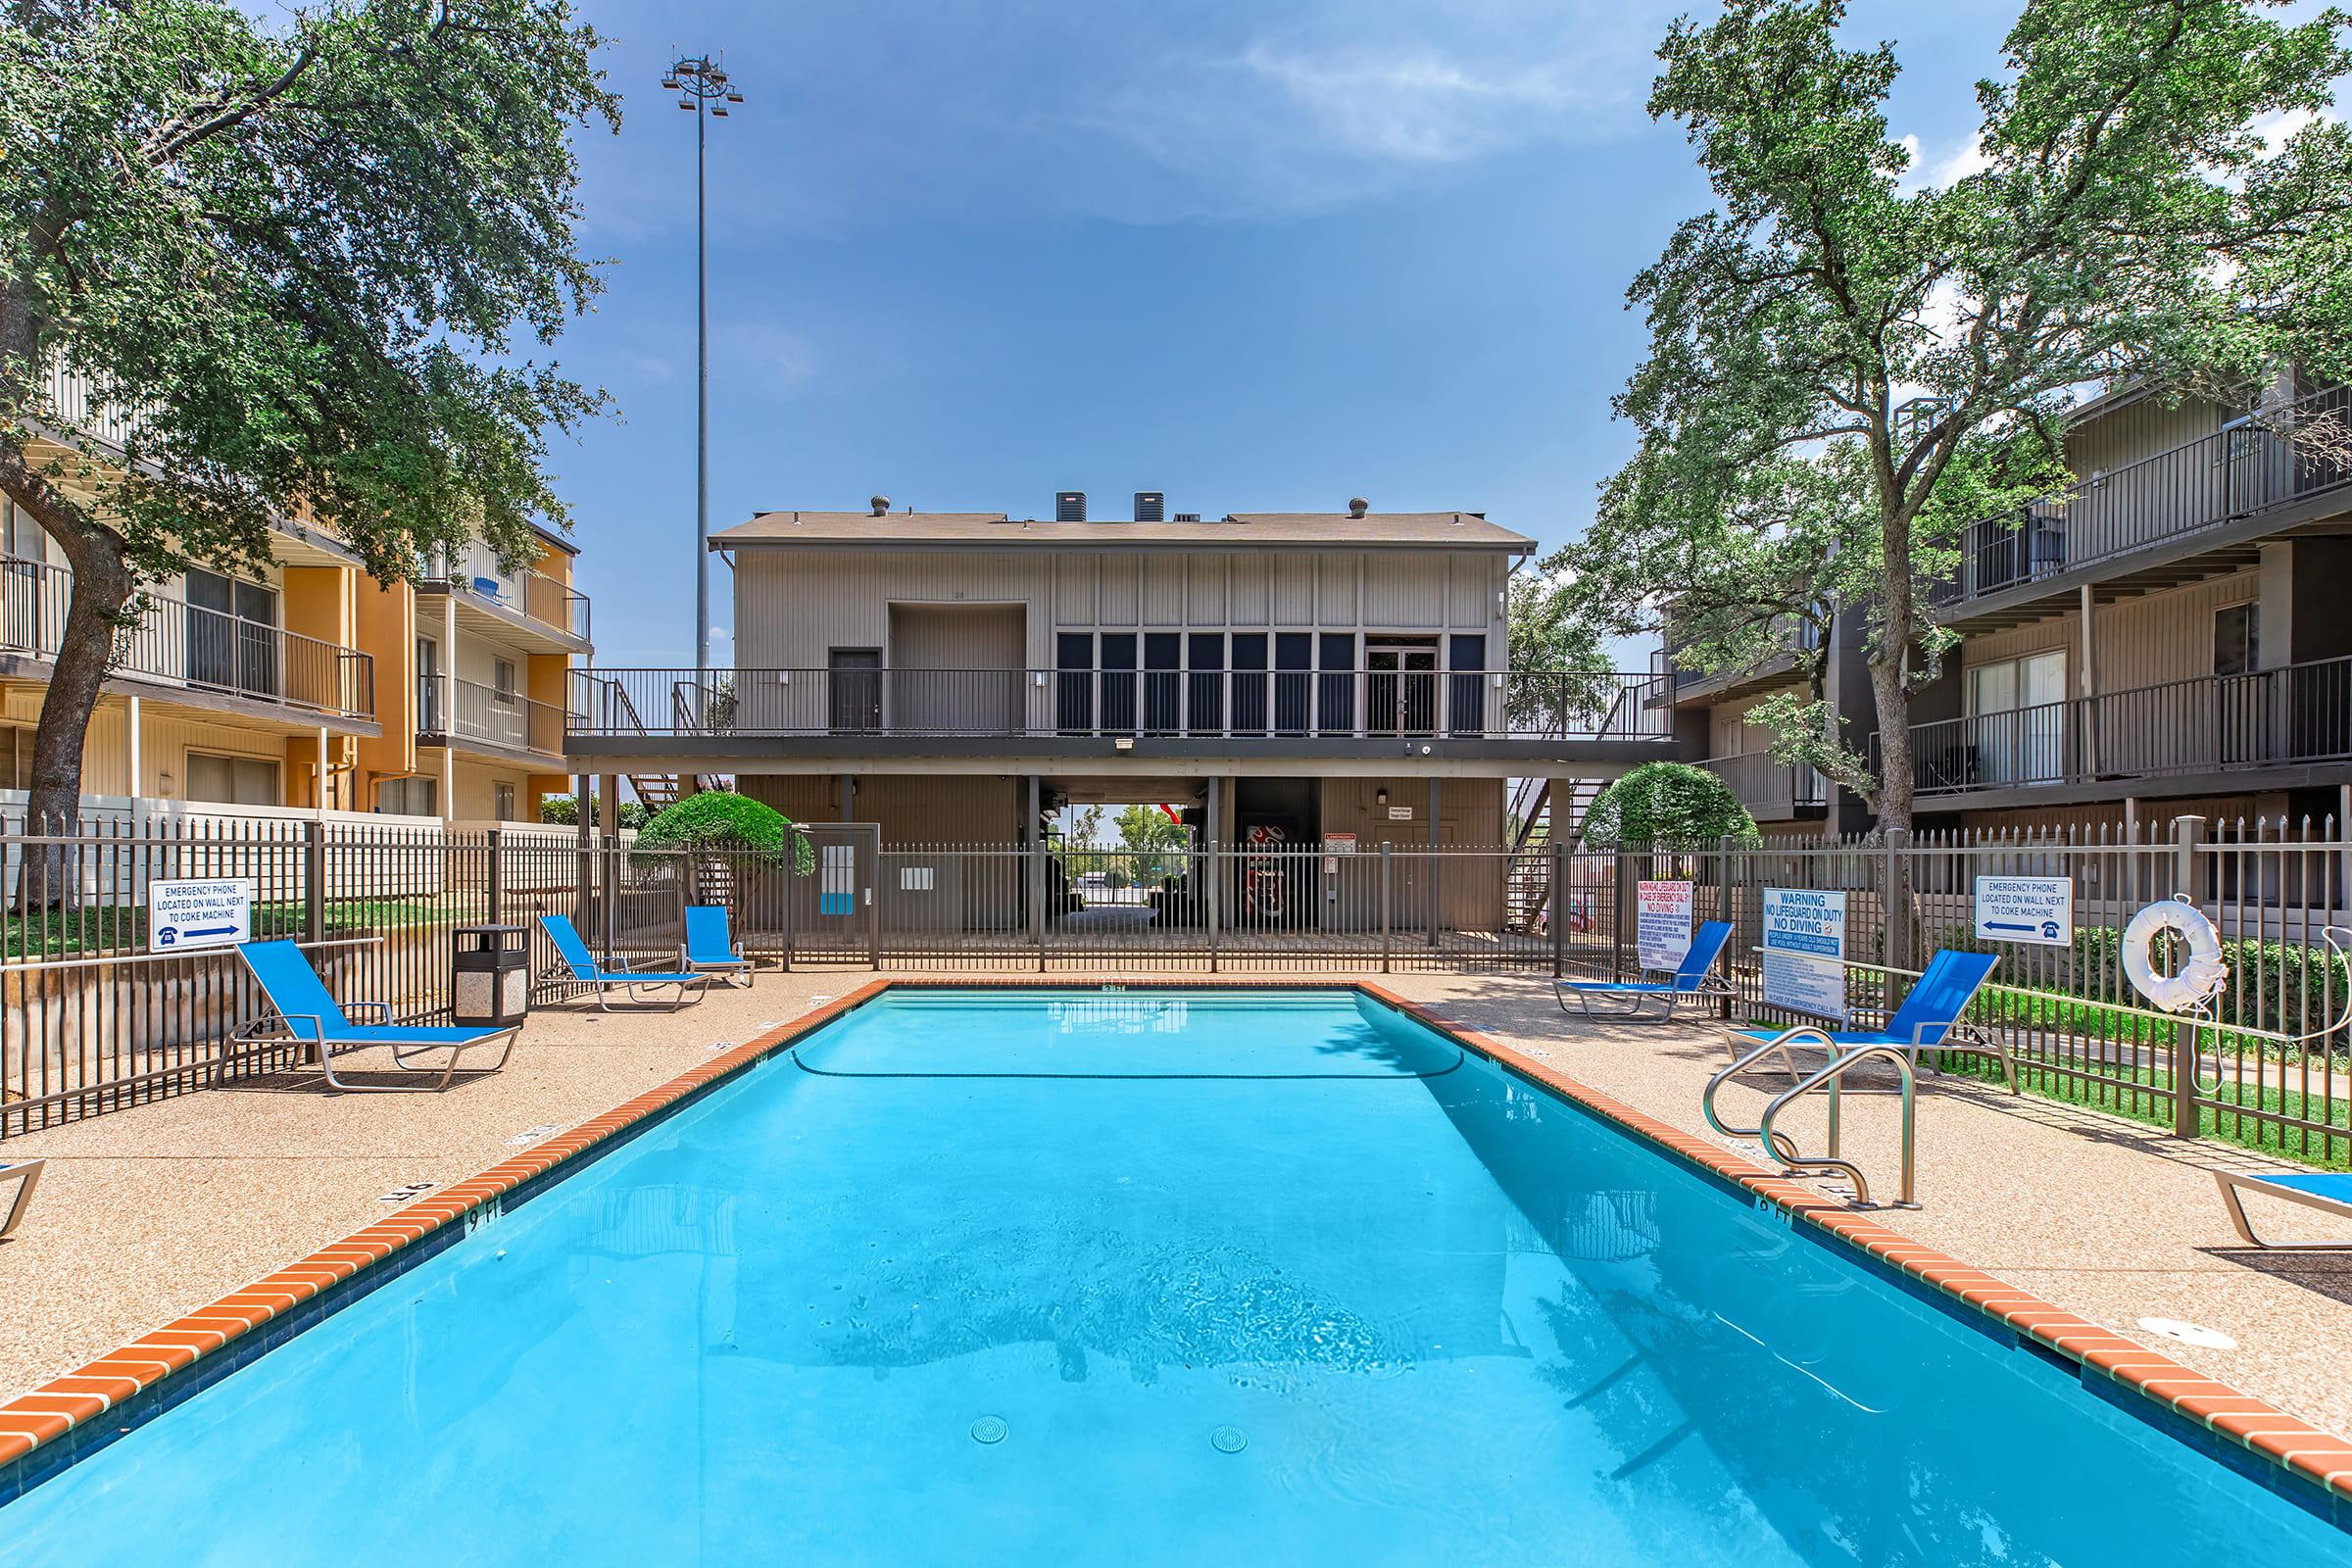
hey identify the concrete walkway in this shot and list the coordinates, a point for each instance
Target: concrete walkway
(146, 1214)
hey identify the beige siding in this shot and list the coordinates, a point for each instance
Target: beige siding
(2136, 432)
(1249, 586)
(1206, 575)
(1295, 590)
(1163, 590)
(1336, 602)
(1403, 593)
(911, 808)
(2140, 641)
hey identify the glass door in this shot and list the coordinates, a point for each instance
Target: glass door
(1401, 689)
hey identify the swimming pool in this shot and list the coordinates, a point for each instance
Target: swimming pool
(1145, 1277)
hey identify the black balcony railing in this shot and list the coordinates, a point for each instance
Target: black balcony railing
(1770, 789)
(533, 595)
(1194, 703)
(2213, 723)
(172, 642)
(462, 711)
(2239, 472)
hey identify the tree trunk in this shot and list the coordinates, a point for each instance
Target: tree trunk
(1893, 704)
(102, 586)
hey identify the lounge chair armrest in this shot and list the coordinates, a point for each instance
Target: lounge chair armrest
(382, 1009)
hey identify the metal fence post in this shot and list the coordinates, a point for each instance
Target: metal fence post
(607, 892)
(1557, 902)
(313, 881)
(1618, 896)
(1215, 878)
(1894, 903)
(2187, 833)
(1726, 911)
(1385, 886)
(497, 877)
(1037, 897)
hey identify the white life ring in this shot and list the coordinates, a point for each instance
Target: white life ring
(2198, 978)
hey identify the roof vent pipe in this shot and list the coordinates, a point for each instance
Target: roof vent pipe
(1150, 506)
(1357, 506)
(1069, 506)
(880, 504)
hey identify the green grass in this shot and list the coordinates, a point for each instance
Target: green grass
(2144, 1095)
(122, 928)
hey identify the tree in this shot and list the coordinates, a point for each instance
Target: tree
(297, 255)
(1758, 571)
(720, 821)
(1668, 804)
(1559, 671)
(564, 810)
(2129, 221)
(1154, 843)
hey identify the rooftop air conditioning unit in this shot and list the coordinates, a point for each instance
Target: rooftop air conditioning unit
(1069, 506)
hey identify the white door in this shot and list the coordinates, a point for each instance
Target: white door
(1993, 699)
(2041, 727)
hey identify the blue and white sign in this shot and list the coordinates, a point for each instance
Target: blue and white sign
(2025, 908)
(199, 912)
(1804, 952)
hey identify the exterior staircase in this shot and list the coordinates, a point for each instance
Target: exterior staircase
(1539, 817)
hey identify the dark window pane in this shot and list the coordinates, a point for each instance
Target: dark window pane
(1293, 688)
(1118, 680)
(1205, 686)
(1248, 688)
(1163, 686)
(1336, 687)
(1074, 685)
(1466, 700)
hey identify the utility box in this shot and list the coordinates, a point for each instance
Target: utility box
(490, 975)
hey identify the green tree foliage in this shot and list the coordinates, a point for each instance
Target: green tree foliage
(304, 247)
(1919, 345)
(723, 821)
(1559, 664)
(565, 809)
(1668, 803)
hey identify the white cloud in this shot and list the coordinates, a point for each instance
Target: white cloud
(1939, 174)
(768, 353)
(1350, 103)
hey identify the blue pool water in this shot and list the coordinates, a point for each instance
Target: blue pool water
(1157, 1278)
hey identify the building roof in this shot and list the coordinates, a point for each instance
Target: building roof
(1241, 530)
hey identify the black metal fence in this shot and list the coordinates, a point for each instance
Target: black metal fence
(100, 1014)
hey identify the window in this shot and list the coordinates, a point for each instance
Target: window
(1074, 681)
(501, 678)
(231, 780)
(1466, 700)
(2236, 640)
(2020, 729)
(16, 756)
(503, 801)
(406, 797)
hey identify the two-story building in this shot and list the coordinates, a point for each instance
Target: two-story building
(302, 682)
(1336, 678)
(2167, 636)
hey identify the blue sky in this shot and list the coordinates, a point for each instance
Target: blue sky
(1259, 256)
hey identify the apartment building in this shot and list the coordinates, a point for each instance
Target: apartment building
(305, 683)
(1713, 728)
(1339, 678)
(2166, 636)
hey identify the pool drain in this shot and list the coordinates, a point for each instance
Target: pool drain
(1229, 1440)
(990, 1429)
(2172, 1328)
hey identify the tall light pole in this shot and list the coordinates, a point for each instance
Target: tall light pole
(700, 82)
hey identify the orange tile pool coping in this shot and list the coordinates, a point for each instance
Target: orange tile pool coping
(70, 1404)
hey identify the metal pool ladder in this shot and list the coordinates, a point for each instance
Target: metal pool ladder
(1830, 1075)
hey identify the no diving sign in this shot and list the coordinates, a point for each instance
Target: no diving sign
(199, 912)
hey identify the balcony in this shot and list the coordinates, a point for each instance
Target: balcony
(2214, 724)
(176, 644)
(1373, 705)
(544, 614)
(2235, 476)
(469, 715)
(1772, 791)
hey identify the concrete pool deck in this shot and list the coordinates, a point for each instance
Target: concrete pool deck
(149, 1213)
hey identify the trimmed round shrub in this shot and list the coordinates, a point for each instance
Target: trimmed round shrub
(721, 820)
(1668, 803)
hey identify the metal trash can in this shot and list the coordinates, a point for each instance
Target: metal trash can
(490, 974)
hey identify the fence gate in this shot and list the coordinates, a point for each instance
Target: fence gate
(834, 917)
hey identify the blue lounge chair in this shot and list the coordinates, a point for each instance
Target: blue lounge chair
(2329, 1192)
(26, 1174)
(709, 949)
(1928, 1021)
(303, 1010)
(1694, 979)
(607, 974)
